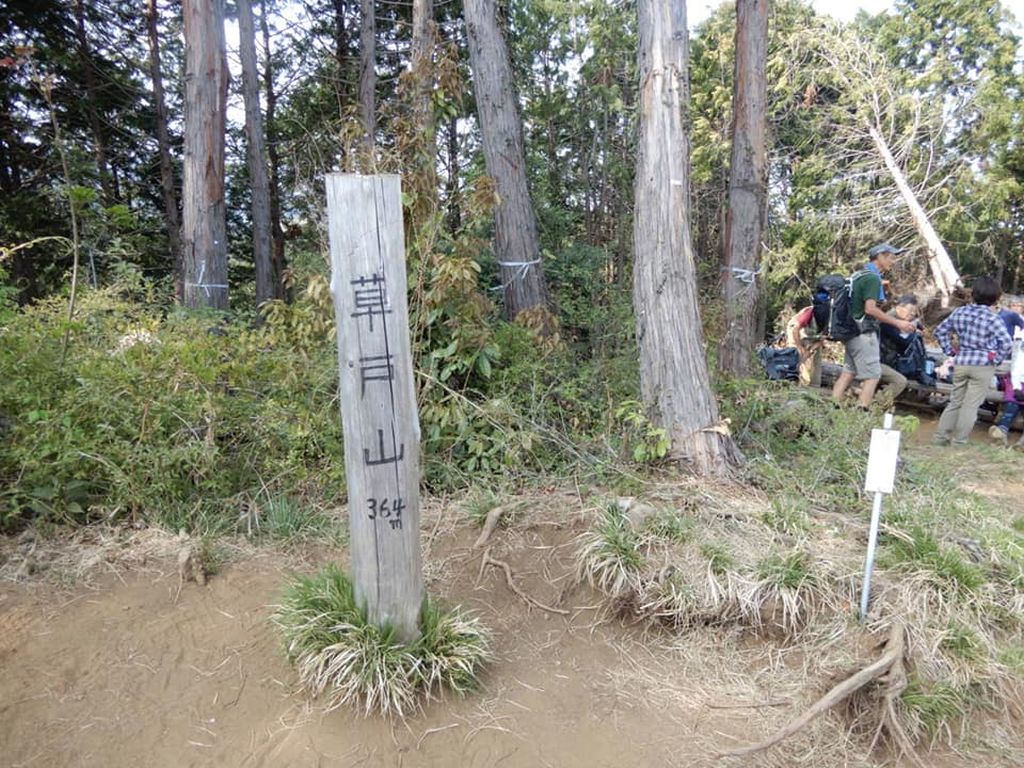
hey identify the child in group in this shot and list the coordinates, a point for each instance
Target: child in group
(982, 344)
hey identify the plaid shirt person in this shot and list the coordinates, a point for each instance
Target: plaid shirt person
(982, 335)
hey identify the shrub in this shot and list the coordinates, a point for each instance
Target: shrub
(345, 659)
(158, 416)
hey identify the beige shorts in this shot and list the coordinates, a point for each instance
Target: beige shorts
(863, 357)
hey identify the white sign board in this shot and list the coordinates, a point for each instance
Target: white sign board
(882, 459)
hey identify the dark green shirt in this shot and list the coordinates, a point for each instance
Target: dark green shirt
(866, 285)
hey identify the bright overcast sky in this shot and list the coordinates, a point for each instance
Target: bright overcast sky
(845, 10)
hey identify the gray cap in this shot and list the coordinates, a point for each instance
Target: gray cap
(884, 248)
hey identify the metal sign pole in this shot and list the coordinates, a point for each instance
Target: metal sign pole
(880, 477)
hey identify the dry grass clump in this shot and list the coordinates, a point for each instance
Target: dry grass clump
(736, 570)
(345, 660)
(76, 556)
(609, 555)
(792, 575)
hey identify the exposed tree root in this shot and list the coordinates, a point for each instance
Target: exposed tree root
(889, 664)
(488, 560)
(490, 524)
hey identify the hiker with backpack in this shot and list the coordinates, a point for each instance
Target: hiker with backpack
(982, 344)
(849, 311)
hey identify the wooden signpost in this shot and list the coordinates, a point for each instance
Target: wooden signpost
(378, 398)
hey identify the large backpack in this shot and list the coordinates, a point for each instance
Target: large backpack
(832, 300)
(911, 360)
(780, 364)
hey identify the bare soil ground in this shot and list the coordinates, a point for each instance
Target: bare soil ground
(108, 660)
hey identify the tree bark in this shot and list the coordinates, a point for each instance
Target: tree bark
(517, 246)
(368, 83)
(340, 52)
(90, 102)
(748, 189)
(452, 182)
(673, 371)
(206, 87)
(944, 273)
(280, 264)
(424, 161)
(163, 140)
(260, 186)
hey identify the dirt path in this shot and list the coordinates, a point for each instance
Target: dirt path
(124, 674)
(130, 678)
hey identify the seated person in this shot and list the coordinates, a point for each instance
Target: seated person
(1013, 403)
(802, 333)
(897, 365)
(1013, 398)
(1011, 314)
(906, 308)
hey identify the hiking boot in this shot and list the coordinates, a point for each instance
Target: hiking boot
(998, 434)
(1019, 445)
(940, 441)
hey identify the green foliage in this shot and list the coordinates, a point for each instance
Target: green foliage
(949, 569)
(649, 443)
(786, 514)
(790, 571)
(937, 705)
(720, 560)
(620, 542)
(799, 444)
(286, 519)
(479, 505)
(341, 656)
(8, 294)
(963, 642)
(209, 555)
(158, 416)
(671, 525)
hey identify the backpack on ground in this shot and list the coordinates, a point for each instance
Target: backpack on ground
(780, 364)
(832, 301)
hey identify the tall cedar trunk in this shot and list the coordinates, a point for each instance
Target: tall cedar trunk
(206, 89)
(340, 49)
(276, 233)
(452, 183)
(748, 189)
(163, 140)
(515, 223)
(425, 161)
(265, 290)
(91, 100)
(368, 82)
(673, 371)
